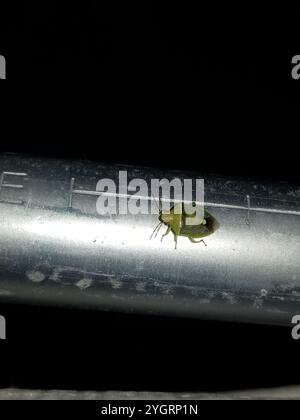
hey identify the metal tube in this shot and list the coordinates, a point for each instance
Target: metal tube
(55, 249)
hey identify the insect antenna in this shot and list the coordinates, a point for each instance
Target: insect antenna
(156, 230)
(159, 208)
(160, 225)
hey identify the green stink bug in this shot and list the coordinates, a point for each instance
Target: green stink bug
(176, 219)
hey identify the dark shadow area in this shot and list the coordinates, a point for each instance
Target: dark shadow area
(71, 349)
(207, 89)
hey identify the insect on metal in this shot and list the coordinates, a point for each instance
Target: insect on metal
(176, 222)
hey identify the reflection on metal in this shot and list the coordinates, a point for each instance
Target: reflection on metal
(2, 67)
(2, 328)
(56, 249)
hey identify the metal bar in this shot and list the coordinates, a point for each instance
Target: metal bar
(56, 250)
(283, 393)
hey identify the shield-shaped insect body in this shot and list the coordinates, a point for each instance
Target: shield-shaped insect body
(176, 222)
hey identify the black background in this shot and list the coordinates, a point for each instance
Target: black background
(204, 88)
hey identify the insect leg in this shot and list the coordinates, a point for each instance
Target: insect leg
(196, 242)
(166, 233)
(175, 239)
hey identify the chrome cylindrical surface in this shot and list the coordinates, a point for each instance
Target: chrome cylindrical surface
(56, 249)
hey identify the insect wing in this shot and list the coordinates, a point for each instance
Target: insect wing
(196, 231)
(177, 218)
